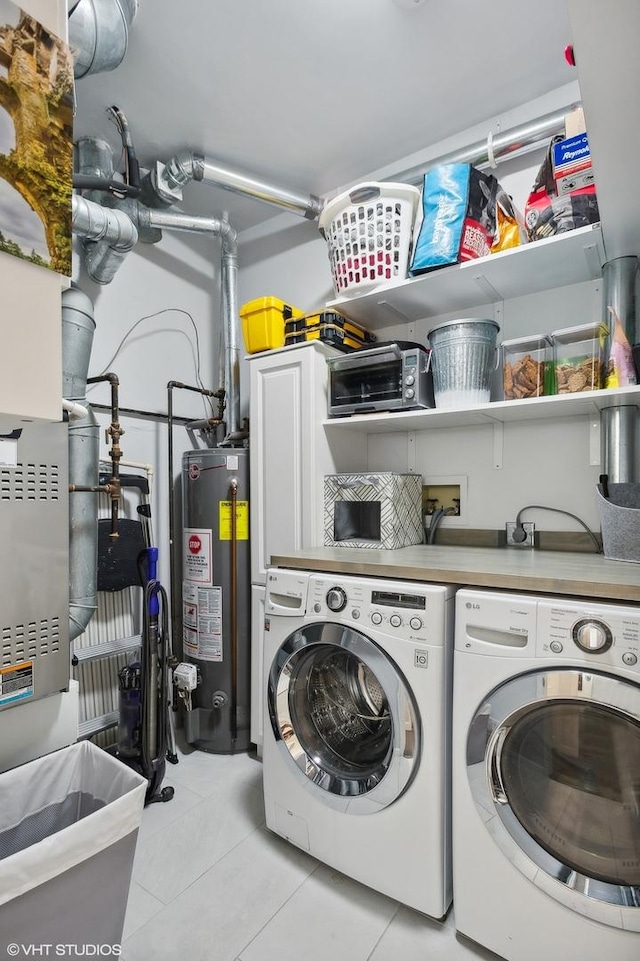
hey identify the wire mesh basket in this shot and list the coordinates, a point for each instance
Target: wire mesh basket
(368, 231)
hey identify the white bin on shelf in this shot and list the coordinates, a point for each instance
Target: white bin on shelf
(68, 828)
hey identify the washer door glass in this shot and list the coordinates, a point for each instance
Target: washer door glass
(344, 715)
(553, 760)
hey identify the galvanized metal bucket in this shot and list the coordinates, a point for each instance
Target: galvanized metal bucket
(464, 356)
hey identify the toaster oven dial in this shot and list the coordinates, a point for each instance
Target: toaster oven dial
(409, 393)
(410, 380)
(336, 599)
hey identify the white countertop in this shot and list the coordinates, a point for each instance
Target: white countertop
(542, 572)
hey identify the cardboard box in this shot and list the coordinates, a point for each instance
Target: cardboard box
(572, 164)
(373, 510)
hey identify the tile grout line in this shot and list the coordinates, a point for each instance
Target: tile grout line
(213, 865)
(276, 913)
(390, 922)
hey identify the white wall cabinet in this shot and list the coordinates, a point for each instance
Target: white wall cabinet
(290, 451)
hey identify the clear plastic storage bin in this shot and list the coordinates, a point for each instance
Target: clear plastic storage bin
(578, 358)
(527, 367)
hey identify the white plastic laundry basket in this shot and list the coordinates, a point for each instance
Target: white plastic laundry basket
(368, 231)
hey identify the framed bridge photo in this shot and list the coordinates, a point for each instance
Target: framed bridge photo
(36, 141)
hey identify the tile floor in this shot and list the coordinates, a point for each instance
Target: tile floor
(211, 883)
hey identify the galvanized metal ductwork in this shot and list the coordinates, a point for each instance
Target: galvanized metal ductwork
(109, 235)
(169, 179)
(99, 34)
(78, 326)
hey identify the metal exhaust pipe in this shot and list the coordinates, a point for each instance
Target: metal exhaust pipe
(78, 326)
(99, 34)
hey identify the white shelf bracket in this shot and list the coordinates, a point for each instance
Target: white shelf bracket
(487, 288)
(594, 255)
(595, 455)
(498, 444)
(411, 451)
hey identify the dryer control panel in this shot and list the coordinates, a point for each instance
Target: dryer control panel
(599, 634)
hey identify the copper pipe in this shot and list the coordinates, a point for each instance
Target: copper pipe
(233, 493)
(115, 432)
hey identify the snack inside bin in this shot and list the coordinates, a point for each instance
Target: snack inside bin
(527, 367)
(578, 357)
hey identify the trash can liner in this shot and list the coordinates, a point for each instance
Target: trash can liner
(60, 810)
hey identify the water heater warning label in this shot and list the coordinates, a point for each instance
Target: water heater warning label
(196, 551)
(242, 520)
(202, 622)
(16, 682)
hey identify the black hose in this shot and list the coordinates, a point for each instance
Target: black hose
(118, 187)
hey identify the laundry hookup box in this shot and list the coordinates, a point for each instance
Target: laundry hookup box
(373, 510)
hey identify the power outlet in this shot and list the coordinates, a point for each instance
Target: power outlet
(529, 529)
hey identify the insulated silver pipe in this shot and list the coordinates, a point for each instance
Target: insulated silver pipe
(229, 306)
(619, 278)
(618, 440)
(99, 34)
(500, 146)
(108, 235)
(170, 178)
(78, 326)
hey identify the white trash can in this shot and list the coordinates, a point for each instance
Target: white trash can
(68, 829)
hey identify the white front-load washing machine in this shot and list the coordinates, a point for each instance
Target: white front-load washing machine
(546, 776)
(356, 752)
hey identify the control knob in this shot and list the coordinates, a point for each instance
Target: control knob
(410, 380)
(336, 599)
(409, 393)
(593, 637)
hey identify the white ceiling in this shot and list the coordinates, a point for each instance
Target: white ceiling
(316, 94)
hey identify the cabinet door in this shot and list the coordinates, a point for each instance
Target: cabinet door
(290, 452)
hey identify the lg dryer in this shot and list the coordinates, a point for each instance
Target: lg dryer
(356, 729)
(546, 777)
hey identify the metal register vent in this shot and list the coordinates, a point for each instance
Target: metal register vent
(24, 642)
(34, 558)
(30, 482)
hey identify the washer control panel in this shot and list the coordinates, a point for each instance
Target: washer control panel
(401, 609)
(601, 634)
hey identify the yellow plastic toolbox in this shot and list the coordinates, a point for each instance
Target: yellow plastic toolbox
(310, 321)
(263, 323)
(329, 334)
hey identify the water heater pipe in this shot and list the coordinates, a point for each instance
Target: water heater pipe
(175, 220)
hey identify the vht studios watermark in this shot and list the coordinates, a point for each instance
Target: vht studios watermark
(16, 950)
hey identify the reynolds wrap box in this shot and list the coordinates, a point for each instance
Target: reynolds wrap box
(572, 164)
(373, 510)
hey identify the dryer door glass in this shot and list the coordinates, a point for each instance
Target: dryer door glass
(344, 715)
(556, 756)
(571, 773)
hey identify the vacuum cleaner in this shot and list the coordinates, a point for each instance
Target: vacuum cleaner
(145, 738)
